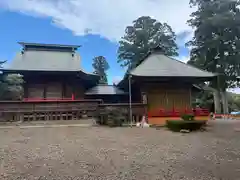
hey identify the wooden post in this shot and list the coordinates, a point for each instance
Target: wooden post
(190, 94)
(145, 101)
(73, 96)
(44, 91)
(34, 116)
(46, 116)
(25, 88)
(146, 114)
(21, 117)
(130, 99)
(63, 90)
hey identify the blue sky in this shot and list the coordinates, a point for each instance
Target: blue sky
(31, 29)
(21, 27)
(66, 22)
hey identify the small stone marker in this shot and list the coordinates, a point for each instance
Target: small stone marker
(184, 131)
(143, 123)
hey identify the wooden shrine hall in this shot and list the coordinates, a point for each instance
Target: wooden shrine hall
(51, 72)
(166, 85)
(55, 82)
(56, 87)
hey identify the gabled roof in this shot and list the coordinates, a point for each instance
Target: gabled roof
(104, 89)
(45, 60)
(159, 65)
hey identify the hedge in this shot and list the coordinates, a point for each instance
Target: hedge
(178, 125)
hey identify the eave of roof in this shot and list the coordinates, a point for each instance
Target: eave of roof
(9, 70)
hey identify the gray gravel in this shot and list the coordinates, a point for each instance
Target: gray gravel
(120, 153)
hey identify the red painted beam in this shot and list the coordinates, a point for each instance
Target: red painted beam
(177, 113)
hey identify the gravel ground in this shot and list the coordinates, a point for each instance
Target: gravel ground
(71, 153)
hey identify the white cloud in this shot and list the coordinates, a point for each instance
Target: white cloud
(107, 18)
(183, 37)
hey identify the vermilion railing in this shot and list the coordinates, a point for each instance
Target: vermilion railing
(177, 112)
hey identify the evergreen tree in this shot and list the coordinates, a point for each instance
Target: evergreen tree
(100, 66)
(216, 43)
(145, 34)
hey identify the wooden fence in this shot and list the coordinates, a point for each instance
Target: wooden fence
(63, 110)
(47, 110)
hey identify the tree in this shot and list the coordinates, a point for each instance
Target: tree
(2, 85)
(14, 88)
(216, 42)
(145, 34)
(205, 99)
(234, 101)
(10, 86)
(100, 66)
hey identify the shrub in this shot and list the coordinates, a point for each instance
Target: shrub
(112, 117)
(177, 125)
(102, 118)
(187, 117)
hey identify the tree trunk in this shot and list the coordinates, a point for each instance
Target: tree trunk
(224, 102)
(217, 104)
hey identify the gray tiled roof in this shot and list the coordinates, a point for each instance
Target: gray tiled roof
(159, 65)
(32, 60)
(103, 89)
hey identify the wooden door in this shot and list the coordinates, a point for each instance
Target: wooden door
(157, 100)
(35, 91)
(54, 90)
(68, 91)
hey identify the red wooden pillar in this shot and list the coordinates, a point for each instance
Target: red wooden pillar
(73, 97)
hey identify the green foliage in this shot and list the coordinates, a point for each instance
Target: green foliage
(145, 34)
(100, 66)
(187, 117)
(233, 101)
(112, 117)
(216, 42)
(10, 86)
(178, 125)
(204, 99)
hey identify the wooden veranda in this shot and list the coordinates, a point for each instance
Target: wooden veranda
(63, 110)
